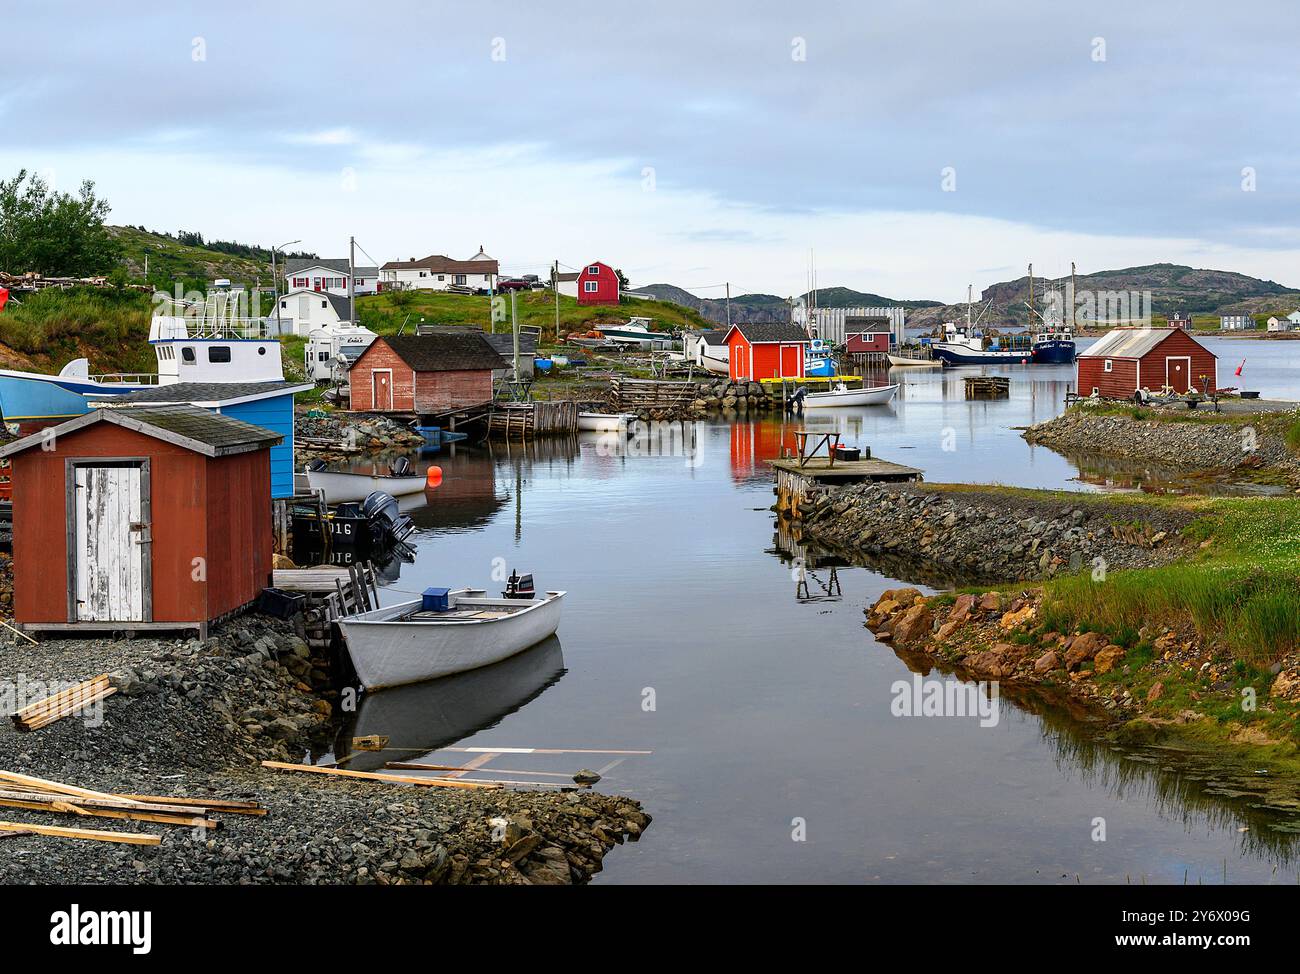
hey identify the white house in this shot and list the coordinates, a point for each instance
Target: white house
(1236, 322)
(1289, 323)
(329, 275)
(438, 272)
(304, 310)
(567, 284)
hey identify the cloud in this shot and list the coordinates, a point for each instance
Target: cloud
(1046, 143)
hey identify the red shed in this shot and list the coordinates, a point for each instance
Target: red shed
(766, 351)
(598, 284)
(423, 374)
(861, 342)
(140, 517)
(1129, 359)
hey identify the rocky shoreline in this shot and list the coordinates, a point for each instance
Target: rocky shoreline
(1175, 441)
(194, 718)
(946, 535)
(363, 433)
(1155, 682)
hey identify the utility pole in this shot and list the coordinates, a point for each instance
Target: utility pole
(276, 281)
(352, 279)
(514, 340)
(555, 293)
(728, 305)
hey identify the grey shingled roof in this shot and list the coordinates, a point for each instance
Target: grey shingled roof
(340, 264)
(449, 351)
(776, 331)
(196, 392)
(190, 427)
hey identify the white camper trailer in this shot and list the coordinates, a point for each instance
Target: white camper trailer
(331, 350)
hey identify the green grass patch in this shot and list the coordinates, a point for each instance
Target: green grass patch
(1242, 591)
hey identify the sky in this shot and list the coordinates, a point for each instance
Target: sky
(907, 149)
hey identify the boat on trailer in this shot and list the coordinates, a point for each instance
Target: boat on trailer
(842, 395)
(445, 632)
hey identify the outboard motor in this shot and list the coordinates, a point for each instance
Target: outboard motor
(519, 586)
(796, 399)
(382, 509)
(317, 465)
(401, 467)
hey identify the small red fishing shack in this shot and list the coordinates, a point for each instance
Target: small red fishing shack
(140, 518)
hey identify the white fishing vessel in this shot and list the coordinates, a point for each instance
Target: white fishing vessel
(462, 630)
(343, 486)
(605, 422)
(842, 395)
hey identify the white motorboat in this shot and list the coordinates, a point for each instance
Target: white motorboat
(342, 486)
(904, 360)
(605, 422)
(842, 395)
(406, 643)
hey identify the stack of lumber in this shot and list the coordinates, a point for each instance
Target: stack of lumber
(63, 704)
(40, 795)
(650, 393)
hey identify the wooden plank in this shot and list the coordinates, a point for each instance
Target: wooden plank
(222, 805)
(536, 750)
(94, 835)
(45, 719)
(60, 807)
(375, 776)
(54, 700)
(416, 766)
(41, 784)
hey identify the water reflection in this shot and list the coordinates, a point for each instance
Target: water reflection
(1179, 784)
(424, 717)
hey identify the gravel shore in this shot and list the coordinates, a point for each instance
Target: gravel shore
(194, 718)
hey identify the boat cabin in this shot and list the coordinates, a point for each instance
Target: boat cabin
(140, 518)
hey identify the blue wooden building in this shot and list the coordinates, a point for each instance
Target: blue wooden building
(265, 404)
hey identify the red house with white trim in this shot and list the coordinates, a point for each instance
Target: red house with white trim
(861, 342)
(766, 351)
(598, 284)
(1129, 359)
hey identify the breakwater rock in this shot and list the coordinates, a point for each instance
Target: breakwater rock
(1174, 439)
(741, 397)
(966, 535)
(367, 433)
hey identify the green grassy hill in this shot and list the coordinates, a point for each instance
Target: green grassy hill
(171, 261)
(385, 313)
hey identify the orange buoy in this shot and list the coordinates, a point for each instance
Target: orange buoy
(432, 478)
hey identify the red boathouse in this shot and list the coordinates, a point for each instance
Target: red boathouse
(766, 351)
(1129, 359)
(140, 517)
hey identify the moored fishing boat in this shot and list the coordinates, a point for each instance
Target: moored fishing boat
(605, 422)
(842, 395)
(445, 632)
(342, 486)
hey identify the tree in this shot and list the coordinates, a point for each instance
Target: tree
(623, 282)
(55, 234)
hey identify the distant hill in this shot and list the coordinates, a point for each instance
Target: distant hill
(771, 307)
(1173, 287)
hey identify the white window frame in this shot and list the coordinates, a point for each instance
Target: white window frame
(1109, 366)
(590, 287)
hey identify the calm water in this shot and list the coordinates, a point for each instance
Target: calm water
(770, 710)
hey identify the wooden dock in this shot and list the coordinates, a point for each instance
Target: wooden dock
(987, 386)
(796, 479)
(527, 420)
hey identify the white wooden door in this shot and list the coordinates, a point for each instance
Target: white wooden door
(110, 551)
